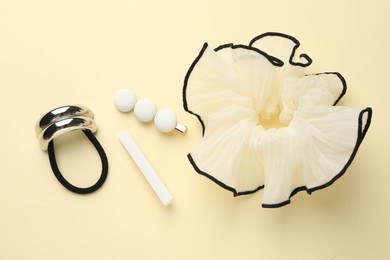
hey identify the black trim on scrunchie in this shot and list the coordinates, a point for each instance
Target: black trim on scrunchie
(68, 185)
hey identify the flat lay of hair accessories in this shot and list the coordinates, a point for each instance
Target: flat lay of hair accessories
(60, 121)
(237, 90)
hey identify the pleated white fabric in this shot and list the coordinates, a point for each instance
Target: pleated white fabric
(236, 91)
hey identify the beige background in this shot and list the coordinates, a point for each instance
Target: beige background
(59, 52)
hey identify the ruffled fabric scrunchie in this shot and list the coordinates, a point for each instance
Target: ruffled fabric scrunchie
(238, 90)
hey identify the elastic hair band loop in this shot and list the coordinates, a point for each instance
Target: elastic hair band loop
(67, 184)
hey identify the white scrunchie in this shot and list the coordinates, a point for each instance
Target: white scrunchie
(234, 89)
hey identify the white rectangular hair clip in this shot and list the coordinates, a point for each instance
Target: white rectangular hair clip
(142, 163)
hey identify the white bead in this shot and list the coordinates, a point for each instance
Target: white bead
(125, 100)
(165, 120)
(145, 110)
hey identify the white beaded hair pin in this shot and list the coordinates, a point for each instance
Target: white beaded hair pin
(145, 110)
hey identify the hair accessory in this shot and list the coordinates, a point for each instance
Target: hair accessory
(61, 112)
(145, 110)
(142, 163)
(60, 121)
(268, 125)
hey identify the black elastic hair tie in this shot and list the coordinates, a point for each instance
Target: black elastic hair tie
(68, 185)
(60, 121)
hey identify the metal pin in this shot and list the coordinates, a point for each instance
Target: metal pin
(181, 128)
